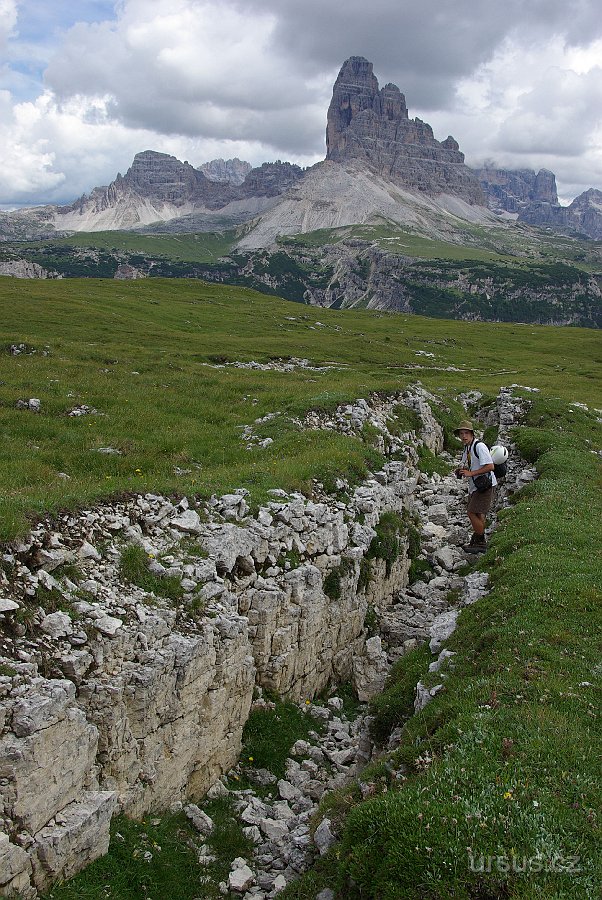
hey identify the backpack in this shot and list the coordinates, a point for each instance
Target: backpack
(499, 469)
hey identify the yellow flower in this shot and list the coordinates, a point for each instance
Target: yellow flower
(508, 795)
(250, 759)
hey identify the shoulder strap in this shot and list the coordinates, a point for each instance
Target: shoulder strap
(474, 448)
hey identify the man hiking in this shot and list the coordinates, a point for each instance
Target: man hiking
(477, 466)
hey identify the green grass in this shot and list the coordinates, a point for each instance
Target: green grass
(479, 243)
(202, 247)
(269, 734)
(172, 870)
(500, 794)
(396, 703)
(134, 567)
(386, 543)
(125, 874)
(139, 353)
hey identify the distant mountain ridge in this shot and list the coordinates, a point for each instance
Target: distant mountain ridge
(159, 187)
(379, 162)
(232, 171)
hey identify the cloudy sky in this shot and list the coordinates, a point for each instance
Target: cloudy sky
(86, 84)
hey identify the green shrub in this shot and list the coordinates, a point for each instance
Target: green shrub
(371, 621)
(404, 420)
(396, 703)
(332, 584)
(418, 569)
(155, 857)
(429, 463)
(365, 574)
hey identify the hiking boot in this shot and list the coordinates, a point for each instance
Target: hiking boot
(477, 544)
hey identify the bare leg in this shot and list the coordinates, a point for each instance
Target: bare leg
(477, 520)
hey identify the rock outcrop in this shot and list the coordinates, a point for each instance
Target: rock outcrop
(532, 198)
(229, 171)
(23, 268)
(372, 125)
(583, 216)
(114, 698)
(514, 191)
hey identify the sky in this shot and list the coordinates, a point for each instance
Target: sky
(87, 84)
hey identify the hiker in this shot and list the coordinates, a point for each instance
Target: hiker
(476, 461)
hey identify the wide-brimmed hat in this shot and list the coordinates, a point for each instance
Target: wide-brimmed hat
(465, 425)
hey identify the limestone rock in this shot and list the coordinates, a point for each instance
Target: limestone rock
(15, 869)
(201, 821)
(442, 627)
(241, 878)
(80, 836)
(373, 126)
(323, 837)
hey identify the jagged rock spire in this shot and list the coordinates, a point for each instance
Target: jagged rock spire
(372, 125)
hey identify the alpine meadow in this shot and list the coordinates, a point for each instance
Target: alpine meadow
(501, 766)
(269, 628)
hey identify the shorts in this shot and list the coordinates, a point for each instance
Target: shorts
(480, 501)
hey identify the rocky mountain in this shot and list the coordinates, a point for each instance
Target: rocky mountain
(533, 199)
(230, 171)
(332, 195)
(379, 163)
(583, 216)
(372, 126)
(158, 187)
(514, 191)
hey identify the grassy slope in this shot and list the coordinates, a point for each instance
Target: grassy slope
(138, 353)
(515, 245)
(202, 247)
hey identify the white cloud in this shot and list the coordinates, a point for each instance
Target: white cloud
(8, 21)
(519, 83)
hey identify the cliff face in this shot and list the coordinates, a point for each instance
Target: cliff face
(512, 191)
(373, 126)
(583, 215)
(231, 171)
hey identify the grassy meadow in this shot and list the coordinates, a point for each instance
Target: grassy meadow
(149, 357)
(493, 792)
(202, 247)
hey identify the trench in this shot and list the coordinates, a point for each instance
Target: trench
(287, 825)
(110, 688)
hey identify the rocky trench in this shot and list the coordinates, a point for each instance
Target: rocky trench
(115, 699)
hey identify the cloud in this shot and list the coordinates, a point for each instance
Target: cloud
(8, 21)
(253, 78)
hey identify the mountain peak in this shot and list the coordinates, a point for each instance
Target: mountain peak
(372, 125)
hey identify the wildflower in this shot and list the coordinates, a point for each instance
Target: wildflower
(250, 759)
(508, 795)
